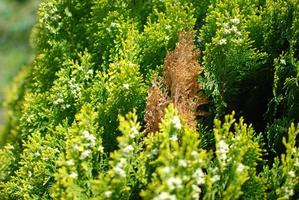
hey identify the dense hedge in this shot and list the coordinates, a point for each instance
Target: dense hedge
(121, 103)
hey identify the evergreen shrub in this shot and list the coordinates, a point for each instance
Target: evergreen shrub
(156, 100)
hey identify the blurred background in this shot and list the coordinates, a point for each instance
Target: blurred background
(17, 18)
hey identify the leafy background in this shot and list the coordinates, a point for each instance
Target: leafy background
(68, 134)
(16, 20)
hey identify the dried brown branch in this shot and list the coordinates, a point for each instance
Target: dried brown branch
(157, 101)
(181, 71)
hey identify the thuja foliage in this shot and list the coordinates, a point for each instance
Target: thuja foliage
(156, 100)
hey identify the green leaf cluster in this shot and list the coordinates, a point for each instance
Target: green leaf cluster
(75, 125)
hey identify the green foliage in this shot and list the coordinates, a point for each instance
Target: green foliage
(277, 23)
(66, 137)
(275, 132)
(35, 169)
(282, 178)
(125, 87)
(7, 156)
(233, 173)
(285, 88)
(120, 180)
(82, 151)
(175, 160)
(160, 32)
(230, 58)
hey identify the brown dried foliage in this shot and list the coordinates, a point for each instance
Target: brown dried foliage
(157, 101)
(181, 71)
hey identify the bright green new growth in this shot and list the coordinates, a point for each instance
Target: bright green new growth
(121, 179)
(76, 126)
(83, 149)
(177, 161)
